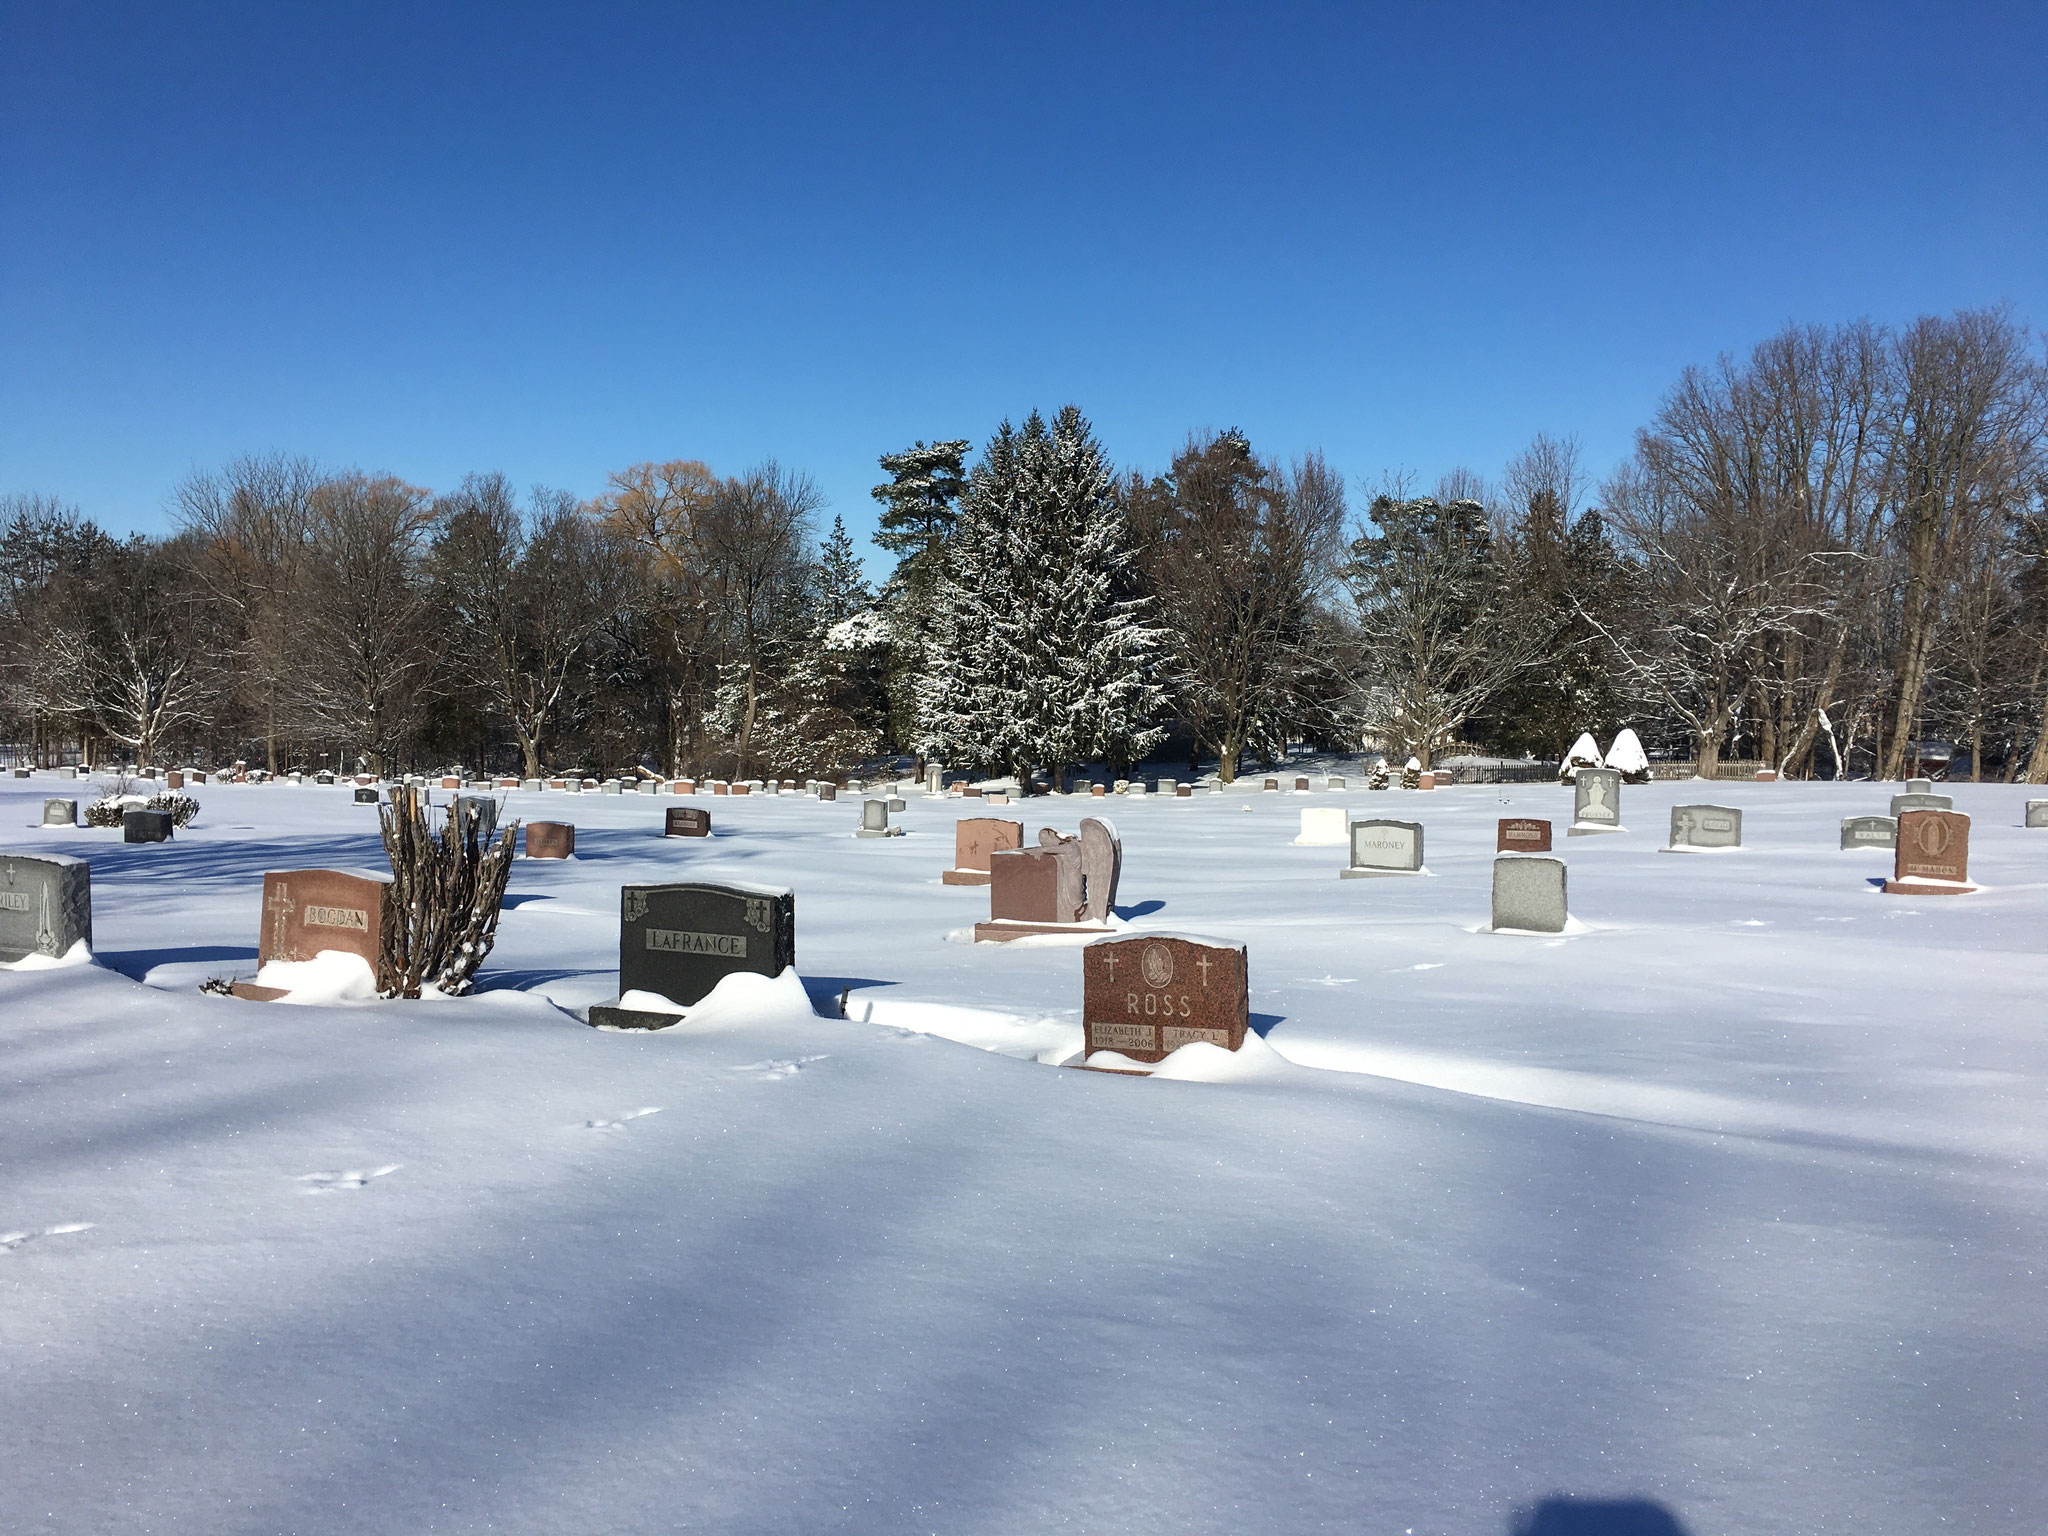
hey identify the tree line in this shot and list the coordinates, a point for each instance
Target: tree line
(1820, 555)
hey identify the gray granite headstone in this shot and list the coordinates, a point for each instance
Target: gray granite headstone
(1919, 786)
(646, 787)
(1596, 800)
(45, 905)
(899, 805)
(1922, 802)
(481, 810)
(612, 787)
(679, 941)
(1529, 893)
(1384, 847)
(60, 813)
(365, 795)
(1870, 832)
(874, 820)
(2037, 813)
(1706, 826)
(140, 826)
(533, 784)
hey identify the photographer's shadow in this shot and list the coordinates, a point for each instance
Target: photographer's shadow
(1597, 1517)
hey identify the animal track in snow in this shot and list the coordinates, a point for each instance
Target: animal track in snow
(348, 1178)
(613, 1125)
(9, 1241)
(775, 1071)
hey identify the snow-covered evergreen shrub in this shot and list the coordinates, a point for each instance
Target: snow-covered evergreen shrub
(182, 807)
(1377, 777)
(1411, 773)
(105, 813)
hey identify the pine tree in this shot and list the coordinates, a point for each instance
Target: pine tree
(843, 589)
(917, 524)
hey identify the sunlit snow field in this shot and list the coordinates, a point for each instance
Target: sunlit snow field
(1732, 1200)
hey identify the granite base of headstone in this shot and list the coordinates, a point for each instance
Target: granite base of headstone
(677, 942)
(1383, 847)
(140, 826)
(1521, 834)
(1528, 894)
(310, 911)
(1596, 802)
(1704, 828)
(1145, 996)
(550, 840)
(45, 906)
(60, 813)
(1933, 855)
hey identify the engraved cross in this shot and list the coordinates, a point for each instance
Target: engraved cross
(281, 906)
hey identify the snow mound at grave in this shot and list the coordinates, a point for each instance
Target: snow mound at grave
(1628, 756)
(1042, 1039)
(1253, 1062)
(331, 976)
(742, 1000)
(1585, 753)
(79, 953)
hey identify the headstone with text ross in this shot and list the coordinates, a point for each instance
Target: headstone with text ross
(975, 840)
(1521, 834)
(309, 911)
(1933, 856)
(550, 840)
(1384, 847)
(687, 821)
(1528, 894)
(679, 941)
(1596, 801)
(60, 813)
(1146, 996)
(45, 905)
(1705, 826)
(1870, 832)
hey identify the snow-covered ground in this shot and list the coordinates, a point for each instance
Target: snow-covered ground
(1732, 1200)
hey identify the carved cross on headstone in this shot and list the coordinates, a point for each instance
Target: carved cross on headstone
(280, 906)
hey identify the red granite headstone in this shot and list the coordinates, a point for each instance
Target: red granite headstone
(174, 780)
(975, 838)
(1036, 885)
(1425, 781)
(1148, 995)
(740, 789)
(1098, 790)
(687, 821)
(450, 781)
(306, 911)
(1933, 857)
(1301, 786)
(683, 787)
(1522, 834)
(550, 840)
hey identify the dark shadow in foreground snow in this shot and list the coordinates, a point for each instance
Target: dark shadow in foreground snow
(1142, 909)
(526, 980)
(138, 963)
(1597, 1517)
(1262, 1023)
(828, 992)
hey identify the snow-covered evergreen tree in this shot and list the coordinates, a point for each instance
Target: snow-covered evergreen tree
(1042, 655)
(842, 585)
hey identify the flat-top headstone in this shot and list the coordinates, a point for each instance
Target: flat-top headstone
(1706, 826)
(1426, 780)
(140, 826)
(22, 773)
(2037, 813)
(874, 820)
(45, 905)
(612, 787)
(646, 787)
(1097, 791)
(365, 796)
(550, 840)
(1522, 834)
(1529, 893)
(451, 781)
(1148, 995)
(174, 780)
(1323, 826)
(975, 839)
(1380, 846)
(1596, 801)
(679, 941)
(1922, 802)
(1043, 885)
(687, 821)
(828, 792)
(1183, 791)
(1933, 856)
(1919, 786)
(60, 813)
(1870, 832)
(306, 911)
(479, 811)
(898, 803)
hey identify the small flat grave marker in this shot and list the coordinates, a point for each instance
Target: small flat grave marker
(550, 840)
(1381, 846)
(679, 941)
(1522, 834)
(1704, 826)
(1933, 856)
(45, 905)
(1528, 894)
(1870, 832)
(1146, 996)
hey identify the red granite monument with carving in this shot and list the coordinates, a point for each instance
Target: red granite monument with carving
(1148, 995)
(975, 840)
(1933, 857)
(550, 840)
(1522, 834)
(306, 911)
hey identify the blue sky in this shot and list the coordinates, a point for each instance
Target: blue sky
(556, 241)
